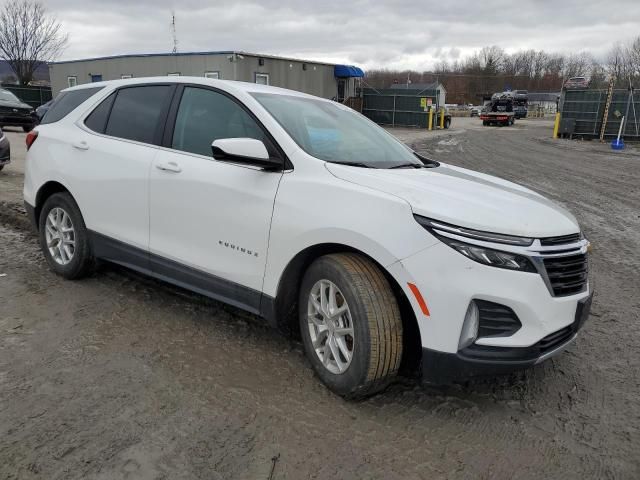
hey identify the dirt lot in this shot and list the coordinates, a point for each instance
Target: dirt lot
(118, 376)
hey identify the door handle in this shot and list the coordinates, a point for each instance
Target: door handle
(169, 167)
(81, 145)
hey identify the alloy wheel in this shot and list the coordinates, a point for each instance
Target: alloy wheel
(60, 236)
(330, 326)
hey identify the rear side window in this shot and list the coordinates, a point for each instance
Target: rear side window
(66, 102)
(97, 120)
(136, 112)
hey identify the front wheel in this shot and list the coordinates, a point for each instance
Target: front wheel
(350, 324)
(447, 123)
(63, 237)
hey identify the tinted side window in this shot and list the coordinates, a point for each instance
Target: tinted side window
(205, 116)
(97, 120)
(66, 102)
(136, 111)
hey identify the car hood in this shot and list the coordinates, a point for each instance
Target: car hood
(468, 199)
(19, 105)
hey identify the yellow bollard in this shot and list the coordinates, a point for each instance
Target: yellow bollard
(556, 125)
(430, 118)
(442, 117)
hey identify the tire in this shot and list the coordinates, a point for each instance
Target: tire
(1, 167)
(28, 128)
(485, 123)
(372, 314)
(81, 261)
(447, 123)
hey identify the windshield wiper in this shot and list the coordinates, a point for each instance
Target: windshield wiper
(409, 165)
(428, 163)
(353, 164)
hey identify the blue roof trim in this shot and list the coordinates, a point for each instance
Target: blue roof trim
(348, 71)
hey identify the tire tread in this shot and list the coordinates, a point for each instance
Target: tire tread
(383, 316)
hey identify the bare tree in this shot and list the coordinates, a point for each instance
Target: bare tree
(29, 37)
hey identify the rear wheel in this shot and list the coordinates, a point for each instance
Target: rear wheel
(350, 324)
(1, 167)
(63, 237)
(447, 123)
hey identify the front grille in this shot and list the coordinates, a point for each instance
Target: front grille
(567, 275)
(553, 241)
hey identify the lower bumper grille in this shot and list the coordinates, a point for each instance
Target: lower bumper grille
(554, 340)
(567, 275)
(529, 355)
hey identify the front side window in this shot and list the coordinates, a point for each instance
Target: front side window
(335, 133)
(72, 81)
(262, 78)
(136, 112)
(65, 102)
(205, 116)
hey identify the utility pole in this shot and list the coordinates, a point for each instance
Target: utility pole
(173, 32)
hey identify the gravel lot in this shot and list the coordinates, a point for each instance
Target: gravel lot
(118, 376)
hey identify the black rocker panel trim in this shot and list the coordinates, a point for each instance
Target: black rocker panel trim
(245, 298)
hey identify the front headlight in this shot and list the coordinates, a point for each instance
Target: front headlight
(477, 253)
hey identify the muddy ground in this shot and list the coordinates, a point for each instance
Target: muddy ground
(118, 376)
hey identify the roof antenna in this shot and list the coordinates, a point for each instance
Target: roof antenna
(173, 31)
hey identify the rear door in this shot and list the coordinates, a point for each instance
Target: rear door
(114, 152)
(210, 219)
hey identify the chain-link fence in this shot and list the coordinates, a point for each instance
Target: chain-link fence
(398, 107)
(34, 96)
(586, 108)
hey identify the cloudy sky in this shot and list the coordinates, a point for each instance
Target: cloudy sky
(374, 33)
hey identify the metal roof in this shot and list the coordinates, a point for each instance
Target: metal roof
(188, 54)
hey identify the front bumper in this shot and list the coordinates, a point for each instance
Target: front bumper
(17, 120)
(477, 360)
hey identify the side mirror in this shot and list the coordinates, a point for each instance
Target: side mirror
(244, 150)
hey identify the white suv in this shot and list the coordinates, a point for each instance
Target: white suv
(304, 212)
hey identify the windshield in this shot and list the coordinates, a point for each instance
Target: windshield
(336, 133)
(7, 96)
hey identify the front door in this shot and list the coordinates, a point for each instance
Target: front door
(210, 220)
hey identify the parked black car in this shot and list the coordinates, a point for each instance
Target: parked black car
(5, 150)
(15, 113)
